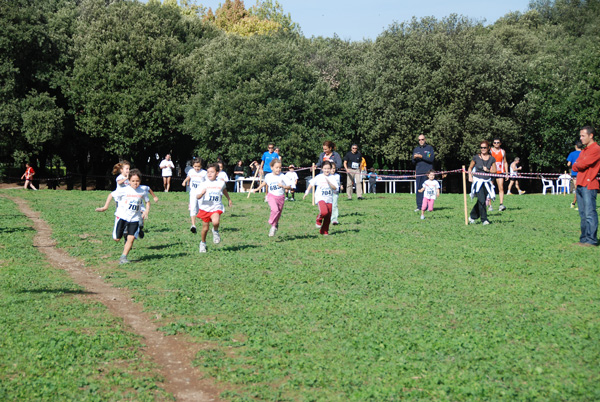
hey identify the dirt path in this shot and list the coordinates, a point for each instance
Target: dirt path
(172, 354)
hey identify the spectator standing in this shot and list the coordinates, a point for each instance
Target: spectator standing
(352, 162)
(372, 181)
(423, 158)
(329, 155)
(167, 167)
(238, 173)
(267, 157)
(571, 159)
(587, 167)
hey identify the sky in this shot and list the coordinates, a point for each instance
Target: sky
(356, 20)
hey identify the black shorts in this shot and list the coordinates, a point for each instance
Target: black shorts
(124, 228)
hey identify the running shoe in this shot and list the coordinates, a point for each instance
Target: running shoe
(123, 260)
(216, 237)
(202, 247)
(501, 208)
(485, 223)
(193, 229)
(272, 231)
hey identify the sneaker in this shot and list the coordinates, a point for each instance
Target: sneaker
(123, 260)
(318, 226)
(521, 192)
(335, 223)
(272, 231)
(485, 223)
(193, 229)
(216, 237)
(349, 198)
(472, 221)
(422, 216)
(509, 193)
(202, 248)
(141, 233)
(501, 208)
(572, 205)
(418, 210)
(490, 208)
(360, 198)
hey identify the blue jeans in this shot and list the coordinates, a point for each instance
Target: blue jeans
(588, 214)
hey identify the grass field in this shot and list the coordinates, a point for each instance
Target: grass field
(387, 308)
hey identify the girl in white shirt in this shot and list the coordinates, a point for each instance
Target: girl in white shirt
(276, 196)
(324, 187)
(210, 204)
(129, 213)
(431, 190)
(195, 177)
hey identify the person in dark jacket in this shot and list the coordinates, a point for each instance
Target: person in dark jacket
(423, 157)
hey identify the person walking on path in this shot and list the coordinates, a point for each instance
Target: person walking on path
(167, 166)
(571, 159)
(28, 176)
(353, 174)
(500, 158)
(587, 167)
(423, 158)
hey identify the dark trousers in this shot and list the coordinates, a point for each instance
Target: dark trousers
(480, 209)
(420, 180)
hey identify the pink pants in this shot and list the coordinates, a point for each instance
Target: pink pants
(324, 217)
(276, 203)
(427, 203)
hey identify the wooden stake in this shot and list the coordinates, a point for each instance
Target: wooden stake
(464, 171)
(253, 179)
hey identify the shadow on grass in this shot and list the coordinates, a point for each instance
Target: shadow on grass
(56, 291)
(229, 229)
(163, 246)
(161, 257)
(238, 248)
(297, 237)
(338, 232)
(16, 230)
(353, 214)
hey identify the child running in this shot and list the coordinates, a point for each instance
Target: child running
(28, 176)
(292, 179)
(276, 183)
(195, 177)
(324, 188)
(431, 188)
(129, 211)
(336, 194)
(210, 204)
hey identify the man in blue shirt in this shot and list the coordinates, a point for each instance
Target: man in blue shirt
(267, 157)
(571, 159)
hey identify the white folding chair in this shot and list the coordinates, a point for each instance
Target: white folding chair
(547, 185)
(563, 186)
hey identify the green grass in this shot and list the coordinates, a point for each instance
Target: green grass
(55, 344)
(388, 307)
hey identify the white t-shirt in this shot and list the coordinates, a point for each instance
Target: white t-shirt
(274, 183)
(196, 178)
(121, 177)
(431, 187)
(291, 179)
(130, 203)
(323, 192)
(223, 176)
(168, 165)
(337, 182)
(213, 197)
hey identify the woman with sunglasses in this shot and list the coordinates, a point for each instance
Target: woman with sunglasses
(482, 186)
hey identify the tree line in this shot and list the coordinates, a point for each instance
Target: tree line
(87, 82)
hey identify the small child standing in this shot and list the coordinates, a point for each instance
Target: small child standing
(431, 188)
(28, 176)
(129, 211)
(372, 176)
(324, 188)
(335, 213)
(195, 177)
(210, 204)
(291, 177)
(275, 197)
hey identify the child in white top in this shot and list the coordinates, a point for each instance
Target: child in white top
(195, 177)
(291, 177)
(336, 193)
(276, 183)
(324, 187)
(167, 166)
(222, 174)
(210, 204)
(129, 211)
(431, 188)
